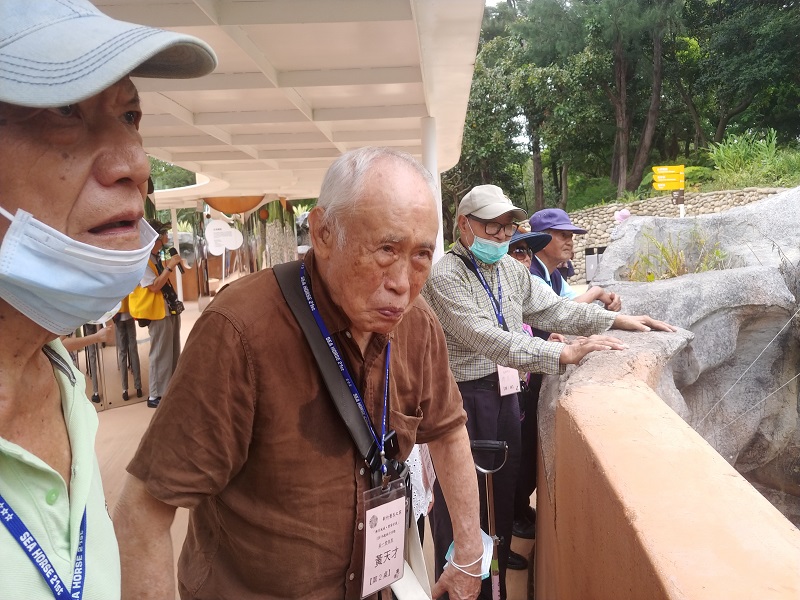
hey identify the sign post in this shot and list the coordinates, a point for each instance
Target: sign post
(671, 177)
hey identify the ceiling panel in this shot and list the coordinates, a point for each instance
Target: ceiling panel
(301, 81)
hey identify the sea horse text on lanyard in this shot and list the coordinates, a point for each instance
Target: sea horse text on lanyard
(37, 555)
(346, 374)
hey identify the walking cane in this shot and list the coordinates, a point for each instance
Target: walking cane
(494, 446)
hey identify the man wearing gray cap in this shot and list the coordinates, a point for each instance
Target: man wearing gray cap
(482, 296)
(74, 244)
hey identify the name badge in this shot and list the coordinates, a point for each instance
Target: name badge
(384, 536)
(509, 380)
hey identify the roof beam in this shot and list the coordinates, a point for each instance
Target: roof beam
(157, 14)
(215, 81)
(285, 12)
(377, 136)
(164, 141)
(168, 105)
(250, 117)
(221, 156)
(216, 11)
(309, 153)
(271, 139)
(333, 77)
(357, 113)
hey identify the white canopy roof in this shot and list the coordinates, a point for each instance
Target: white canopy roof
(301, 81)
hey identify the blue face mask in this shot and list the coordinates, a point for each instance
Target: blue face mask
(60, 283)
(487, 251)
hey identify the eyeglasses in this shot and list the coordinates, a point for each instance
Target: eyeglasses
(520, 253)
(493, 227)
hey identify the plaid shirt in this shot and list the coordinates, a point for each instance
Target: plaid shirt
(476, 343)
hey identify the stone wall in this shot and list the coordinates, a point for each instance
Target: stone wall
(599, 220)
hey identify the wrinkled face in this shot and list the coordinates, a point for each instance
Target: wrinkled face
(521, 252)
(388, 249)
(80, 169)
(559, 249)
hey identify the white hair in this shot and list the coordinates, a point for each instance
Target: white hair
(343, 186)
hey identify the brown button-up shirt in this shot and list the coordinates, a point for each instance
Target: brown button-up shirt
(249, 439)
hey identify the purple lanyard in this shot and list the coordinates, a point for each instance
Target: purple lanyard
(346, 374)
(36, 554)
(497, 304)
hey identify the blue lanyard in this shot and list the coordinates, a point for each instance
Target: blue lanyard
(36, 553)
(497, 304)
(346, 374)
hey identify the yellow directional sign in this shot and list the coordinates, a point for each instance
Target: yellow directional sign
(668, 177)
(669, 169)
(664, 178)
(668, 185)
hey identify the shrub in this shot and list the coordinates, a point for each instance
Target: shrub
(672, 258)
(748, 160)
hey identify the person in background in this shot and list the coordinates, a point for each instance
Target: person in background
(482, 297)
(522, 247)
(150, 302)
(524, 244)
(104, 335)
(72, 244)
(92, 361)
(556, 223)
(127, 349)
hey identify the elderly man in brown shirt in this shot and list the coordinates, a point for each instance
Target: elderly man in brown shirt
(248, 438)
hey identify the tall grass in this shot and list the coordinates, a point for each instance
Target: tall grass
(672, 257)
(751, 159)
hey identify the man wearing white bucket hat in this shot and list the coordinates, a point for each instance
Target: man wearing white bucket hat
(73, 244)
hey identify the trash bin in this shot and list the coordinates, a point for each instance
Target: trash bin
(592, 257)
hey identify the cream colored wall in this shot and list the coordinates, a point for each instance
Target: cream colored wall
(642, 508)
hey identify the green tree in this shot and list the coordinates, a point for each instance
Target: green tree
(490, 150)
(748, 55)
(167, 176)
(630, 34)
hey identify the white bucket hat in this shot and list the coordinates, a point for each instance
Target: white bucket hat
(58, 52)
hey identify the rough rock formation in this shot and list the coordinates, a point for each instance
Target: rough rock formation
(733, 382)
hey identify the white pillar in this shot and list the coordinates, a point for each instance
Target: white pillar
(173, 214)
(430, 160)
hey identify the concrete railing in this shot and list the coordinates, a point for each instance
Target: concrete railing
(632, 504)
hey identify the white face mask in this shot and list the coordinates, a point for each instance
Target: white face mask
(60, 283)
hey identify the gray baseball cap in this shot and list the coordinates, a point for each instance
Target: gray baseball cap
(58, 52)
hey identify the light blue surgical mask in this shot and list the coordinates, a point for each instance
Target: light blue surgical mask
(487, 251)
(60, 283)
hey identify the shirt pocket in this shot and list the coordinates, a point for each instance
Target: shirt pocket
(405, 426)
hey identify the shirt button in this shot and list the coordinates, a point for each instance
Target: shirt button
(360, 526)
(362, 470)
(352, 576)
(51, 497)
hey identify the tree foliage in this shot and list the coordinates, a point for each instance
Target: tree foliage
(569, 90)
(167, 176)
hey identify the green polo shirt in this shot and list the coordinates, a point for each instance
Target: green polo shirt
(38, 495)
